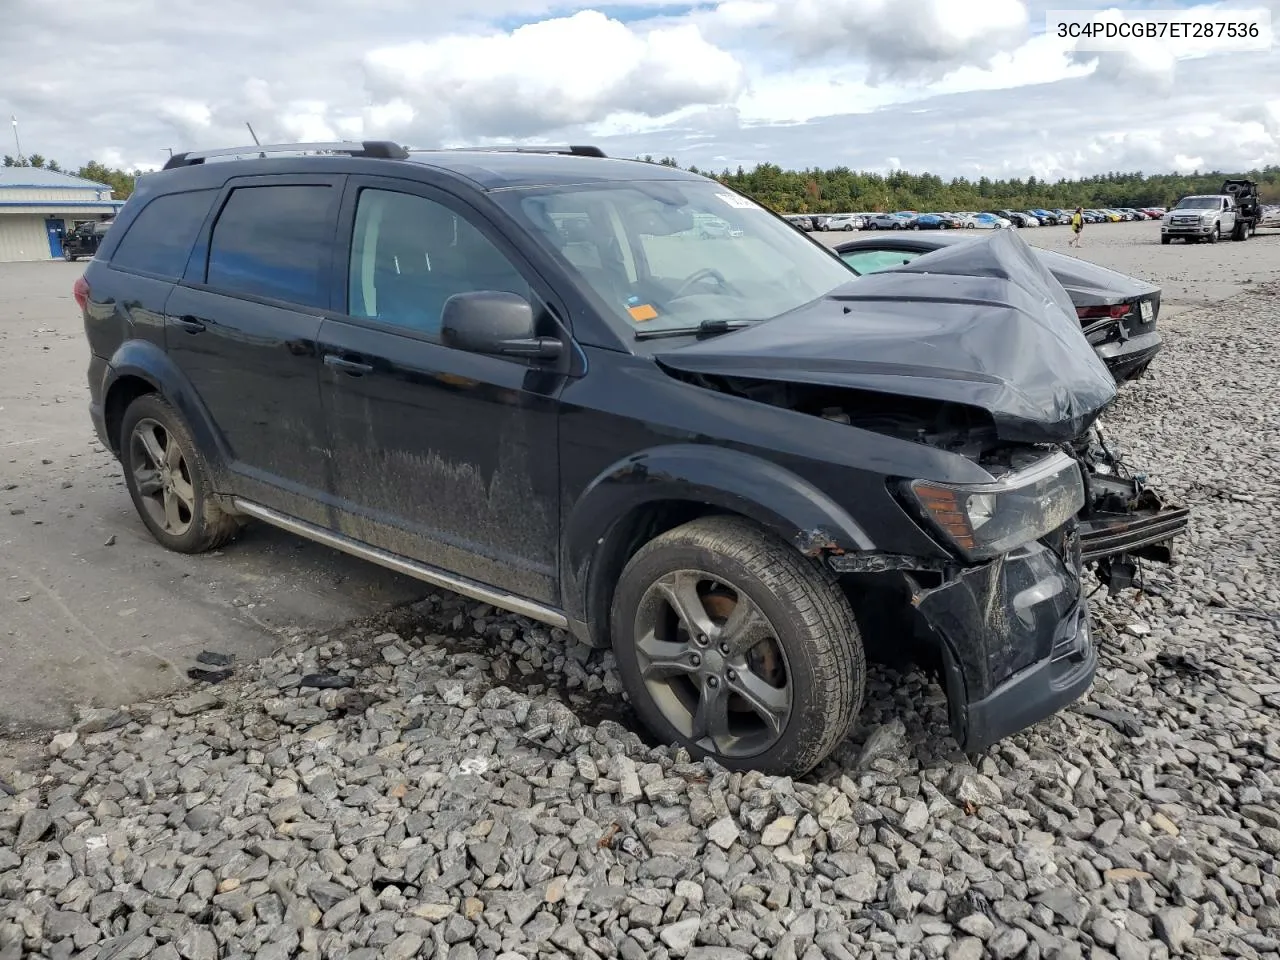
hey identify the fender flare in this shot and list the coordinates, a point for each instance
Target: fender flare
(720, 477)
(148, 361)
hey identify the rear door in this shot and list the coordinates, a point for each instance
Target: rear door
(242, 327)
(444, 456)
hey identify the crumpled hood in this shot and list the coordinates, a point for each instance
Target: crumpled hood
(984, 324)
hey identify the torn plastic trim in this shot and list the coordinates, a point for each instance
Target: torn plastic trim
(886, 563)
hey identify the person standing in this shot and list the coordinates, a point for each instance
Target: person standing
(1077, 226)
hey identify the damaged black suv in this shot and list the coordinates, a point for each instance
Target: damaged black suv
(539, 379)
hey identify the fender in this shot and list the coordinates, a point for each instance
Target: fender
(147, 361)
(722, 477)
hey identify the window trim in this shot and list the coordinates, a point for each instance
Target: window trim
(344, 243)
(197, 272)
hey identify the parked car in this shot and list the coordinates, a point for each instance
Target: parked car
(1118, 313)
(716, 458)
(1015, 218)
(930, 221)
(800, 221)
(987, 221)
(886, 221)
(843, 222)
(85, 239)
(1044, 217)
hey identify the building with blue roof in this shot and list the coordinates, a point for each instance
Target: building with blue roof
(39, 207)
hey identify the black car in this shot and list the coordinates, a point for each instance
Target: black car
(1117, 312)
(524, 376)
(85, 239)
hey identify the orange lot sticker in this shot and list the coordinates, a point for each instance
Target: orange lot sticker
(642, 312)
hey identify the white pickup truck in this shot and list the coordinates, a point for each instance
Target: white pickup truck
(1210, 218)
(1234, 213)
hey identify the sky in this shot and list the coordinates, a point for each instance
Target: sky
(954, 87)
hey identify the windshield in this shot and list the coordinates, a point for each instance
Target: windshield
(670, 255)
(1199, 203)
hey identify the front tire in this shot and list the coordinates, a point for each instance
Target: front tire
(1215, 234)
(168, 479)
(734, 646)
(1165, 240)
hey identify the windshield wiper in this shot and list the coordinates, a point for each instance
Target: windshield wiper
(707, 328)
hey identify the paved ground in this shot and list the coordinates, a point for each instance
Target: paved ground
(84, 622)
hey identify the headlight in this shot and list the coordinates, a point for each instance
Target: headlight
(986, 520)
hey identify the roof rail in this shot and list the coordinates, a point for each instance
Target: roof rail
(382, 149)
(577, 150)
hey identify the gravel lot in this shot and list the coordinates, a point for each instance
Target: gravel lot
(447, 781)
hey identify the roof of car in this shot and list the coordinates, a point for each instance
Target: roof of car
(494, 170)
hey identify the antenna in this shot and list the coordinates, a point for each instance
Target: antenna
(16, 141)
(256, 141)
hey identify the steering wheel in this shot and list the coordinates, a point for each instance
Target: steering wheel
(697, 277)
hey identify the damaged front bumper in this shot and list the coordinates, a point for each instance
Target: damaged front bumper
(1123, 520)
(1013, 634)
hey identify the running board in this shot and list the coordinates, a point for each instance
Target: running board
(411, 568)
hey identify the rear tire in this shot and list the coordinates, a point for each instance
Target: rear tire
(168, 479)
(771, 675)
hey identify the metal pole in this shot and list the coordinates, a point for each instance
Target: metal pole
(256, 141)
(16, 141)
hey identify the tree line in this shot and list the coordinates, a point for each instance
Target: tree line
(843, 190)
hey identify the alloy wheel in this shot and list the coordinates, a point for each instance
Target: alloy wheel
(163, 477)
(713, 664)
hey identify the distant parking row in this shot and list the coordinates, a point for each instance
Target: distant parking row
(971, 219)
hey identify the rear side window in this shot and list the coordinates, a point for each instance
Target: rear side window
(873, 261)
(161, 236)
(274, 242)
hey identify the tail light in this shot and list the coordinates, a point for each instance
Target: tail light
(81, 292)
(1116, 312)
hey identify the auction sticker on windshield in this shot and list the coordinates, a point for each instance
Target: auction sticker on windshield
(737, 202)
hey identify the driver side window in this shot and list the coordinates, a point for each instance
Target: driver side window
(410, 254)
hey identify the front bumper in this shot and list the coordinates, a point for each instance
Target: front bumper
(1187, 229)
(1015, 640)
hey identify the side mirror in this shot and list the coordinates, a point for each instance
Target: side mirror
(496, 323)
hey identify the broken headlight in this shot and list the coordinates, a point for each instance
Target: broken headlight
(987, 519)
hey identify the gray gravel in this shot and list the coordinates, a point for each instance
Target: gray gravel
(467, 797)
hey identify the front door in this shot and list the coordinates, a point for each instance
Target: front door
(447, 457)
(55, 229)
(242, 328)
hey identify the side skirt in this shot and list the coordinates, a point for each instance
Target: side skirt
(392, 561)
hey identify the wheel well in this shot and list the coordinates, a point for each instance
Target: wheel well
(122, 393)
(623, 539)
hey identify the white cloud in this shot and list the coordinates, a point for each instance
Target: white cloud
(540, 76)
(895, 39)
(966, 87)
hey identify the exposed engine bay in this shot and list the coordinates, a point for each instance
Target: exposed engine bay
(1123, 520)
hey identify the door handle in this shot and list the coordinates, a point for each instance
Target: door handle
(190, 324)
(353, 368)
